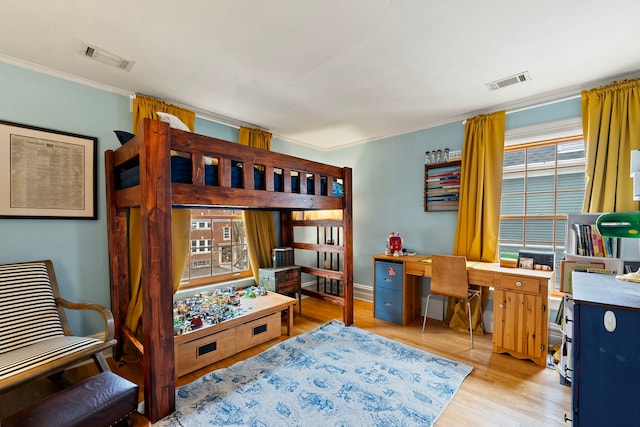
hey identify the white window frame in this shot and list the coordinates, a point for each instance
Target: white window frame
(545, 132)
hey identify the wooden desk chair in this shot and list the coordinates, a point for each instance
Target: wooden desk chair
(449, 278)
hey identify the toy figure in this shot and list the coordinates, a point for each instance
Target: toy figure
(394, 244)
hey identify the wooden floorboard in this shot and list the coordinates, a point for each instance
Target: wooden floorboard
(500, 391)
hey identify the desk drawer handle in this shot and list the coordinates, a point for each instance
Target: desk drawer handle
(518, 283)
(386, 279)
(388, 304)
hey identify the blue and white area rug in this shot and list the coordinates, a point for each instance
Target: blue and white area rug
(331, 376)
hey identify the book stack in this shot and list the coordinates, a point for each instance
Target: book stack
(282, 257)
(589, 242)
(444, 186)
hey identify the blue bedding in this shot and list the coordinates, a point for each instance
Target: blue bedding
(181, 173)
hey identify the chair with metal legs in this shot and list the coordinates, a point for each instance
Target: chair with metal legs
(449, 278)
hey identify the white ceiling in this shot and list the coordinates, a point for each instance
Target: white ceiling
(328, 73)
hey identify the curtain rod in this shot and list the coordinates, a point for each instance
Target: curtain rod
(217, 118)
(532, 106)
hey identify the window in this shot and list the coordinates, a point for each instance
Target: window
(203, 246)
(542, 182)
(218, 248)
(199, 225)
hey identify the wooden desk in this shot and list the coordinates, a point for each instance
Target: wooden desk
(520, 302)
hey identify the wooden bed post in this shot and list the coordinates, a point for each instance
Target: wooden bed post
(347, 218)
(158, 359)
(286, 228)
(118, 264)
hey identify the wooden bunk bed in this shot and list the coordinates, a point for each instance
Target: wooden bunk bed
(156, 193)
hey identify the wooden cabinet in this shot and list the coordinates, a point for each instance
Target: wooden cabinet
(520, 317)
(442, 186)
(259, 321)
(397, 291)
(606, 351)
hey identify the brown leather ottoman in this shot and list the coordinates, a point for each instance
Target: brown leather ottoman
(105, 399)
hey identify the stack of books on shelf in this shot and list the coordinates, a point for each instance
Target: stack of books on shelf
(442, 185)
(589, 242)
(282, 257)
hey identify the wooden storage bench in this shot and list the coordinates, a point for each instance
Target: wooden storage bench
(260, 321)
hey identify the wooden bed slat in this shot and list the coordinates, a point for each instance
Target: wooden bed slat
(321, 272)
(319, 248)
(334, 299)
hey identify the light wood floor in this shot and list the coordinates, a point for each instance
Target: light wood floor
(500, 391)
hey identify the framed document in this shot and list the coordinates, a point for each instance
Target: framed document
(46, 173)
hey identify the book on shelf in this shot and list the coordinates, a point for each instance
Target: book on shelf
(282, 257)
(589, 242)
(567, 267)
(444, 175)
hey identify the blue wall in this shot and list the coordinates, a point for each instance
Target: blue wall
(77, 247)
(388, 183)
(389, 191)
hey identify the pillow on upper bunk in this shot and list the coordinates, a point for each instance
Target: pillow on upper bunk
(173, 121)
(123, 136)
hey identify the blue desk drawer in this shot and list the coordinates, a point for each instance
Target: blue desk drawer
(389, 275)
(388, 305)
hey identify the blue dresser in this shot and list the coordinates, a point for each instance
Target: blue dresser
(606, 351)
(388, 291)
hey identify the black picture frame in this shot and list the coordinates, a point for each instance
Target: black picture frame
(46, 173)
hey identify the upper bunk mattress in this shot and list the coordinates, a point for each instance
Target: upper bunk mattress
(181, 173)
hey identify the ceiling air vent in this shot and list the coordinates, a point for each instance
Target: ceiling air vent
(105, 57)
(508, 81)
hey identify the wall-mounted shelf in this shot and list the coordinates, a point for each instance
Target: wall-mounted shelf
(442, 186)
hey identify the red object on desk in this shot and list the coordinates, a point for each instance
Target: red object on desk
(394, 242)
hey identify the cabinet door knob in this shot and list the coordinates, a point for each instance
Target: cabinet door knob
(609, 321)
(501, 305)
(518, 283)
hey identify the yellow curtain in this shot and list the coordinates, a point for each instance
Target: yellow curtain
(479, 211)
(611, 126)
(144, 107)
(258, 225)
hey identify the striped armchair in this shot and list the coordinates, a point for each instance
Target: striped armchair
(35, 338)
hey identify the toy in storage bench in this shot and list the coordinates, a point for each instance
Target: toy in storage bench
(283, 280)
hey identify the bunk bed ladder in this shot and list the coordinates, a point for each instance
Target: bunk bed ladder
(325, 273)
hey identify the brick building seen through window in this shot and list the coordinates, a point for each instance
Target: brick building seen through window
(218, 248)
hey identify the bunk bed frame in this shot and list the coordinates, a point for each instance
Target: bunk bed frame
(156, 195)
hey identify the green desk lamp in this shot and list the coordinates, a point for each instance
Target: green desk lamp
(619, 224)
